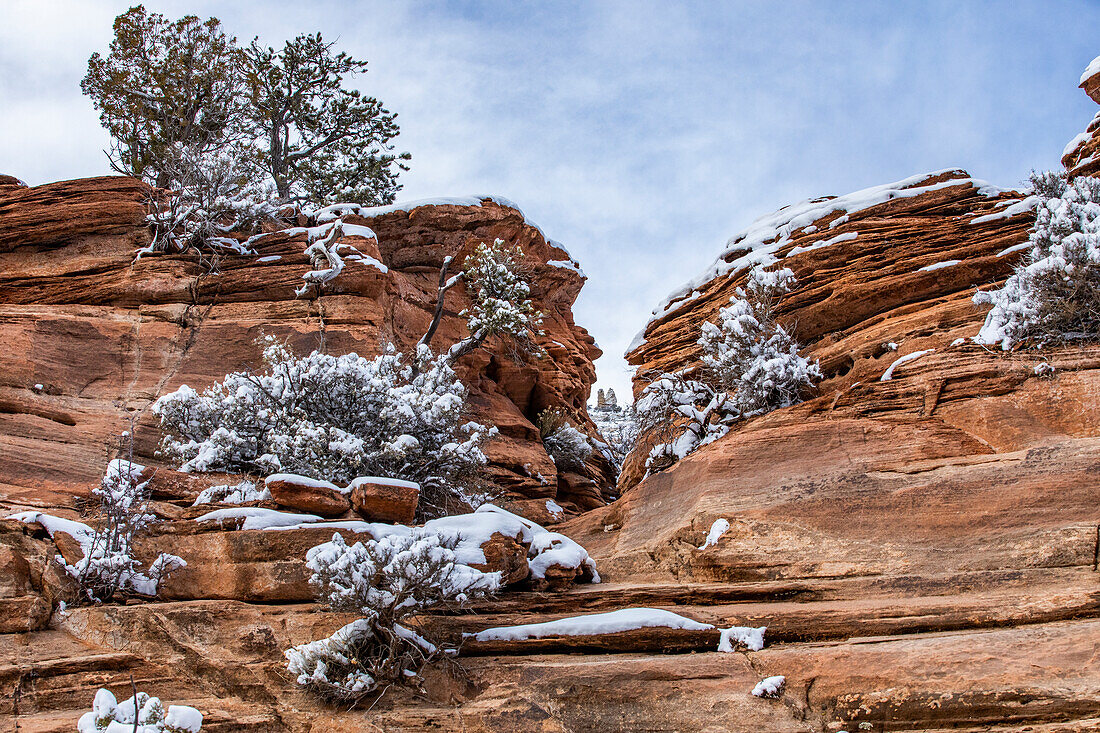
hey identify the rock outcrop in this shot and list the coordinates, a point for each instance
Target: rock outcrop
(922, 549)
(90, 337)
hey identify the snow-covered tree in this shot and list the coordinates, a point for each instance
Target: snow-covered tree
(209, 195)
(750, 365)
(387, 580)
(749, 355)
(333, 418)
(500, 297)
(108, 566)
(1053, 296)
(137, 714)
(316, 139)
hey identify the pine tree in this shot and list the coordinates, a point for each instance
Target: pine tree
(319, 141)
(163, 86)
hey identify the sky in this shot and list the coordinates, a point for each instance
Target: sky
(641, 135)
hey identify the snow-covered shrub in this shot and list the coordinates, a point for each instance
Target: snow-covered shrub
(749, 355)
(501, 298)
(144, 715)
(332, 418)
(1053, 296)
(750, 365)
(386, 580)
(209, 195)
(679, 414)
(568, 447)
(108, 566)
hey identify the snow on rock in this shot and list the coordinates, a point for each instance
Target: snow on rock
(547, 549)
(765, 237)
(79, 531)
(240, 493)
(938, 265)
(295, 479)
(145, 715)
(846, 237)
(717, 529)
(770, 686)
(257, 517)
(889, 373)
(270, 258)
(1010, 210)
(612, 622)
(379, 481)
(752, 638)
(568, 265)
(554, 509)
(1091, 70)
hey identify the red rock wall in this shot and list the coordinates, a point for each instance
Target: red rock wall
(105, 336)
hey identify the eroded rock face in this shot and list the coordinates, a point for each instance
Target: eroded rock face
(91, 337)
(922, 550)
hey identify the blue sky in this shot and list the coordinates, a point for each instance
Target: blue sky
(640, 134)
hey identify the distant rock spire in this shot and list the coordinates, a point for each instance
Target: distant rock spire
(601, 400)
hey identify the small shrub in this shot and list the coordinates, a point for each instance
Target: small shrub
(387, 580)
(750, 365)
(1053, 296)
(568, 447)
(108, 566)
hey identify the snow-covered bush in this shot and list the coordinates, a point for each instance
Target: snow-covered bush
(1053, 296)
(108, 566)
(332, 418)
(209, 195)
(144, 714)
(386, 580)
(568, 447)
(500, 298)
(749, 355)
(750, 365)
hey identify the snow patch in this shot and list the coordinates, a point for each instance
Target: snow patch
(770, 686)
(752, 638)
(612, 622)
(257, 517)
(1091, 70)
(846, 237)
(889, 373)
(939, 265)
(717, 529)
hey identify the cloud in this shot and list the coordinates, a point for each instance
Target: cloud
(640, 134)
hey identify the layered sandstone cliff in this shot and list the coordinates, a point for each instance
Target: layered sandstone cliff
(91, 337)
(922, 549)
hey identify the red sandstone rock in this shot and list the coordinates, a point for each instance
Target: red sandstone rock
(506, 556)
(385, 500)
(307, 495)
(105, 336)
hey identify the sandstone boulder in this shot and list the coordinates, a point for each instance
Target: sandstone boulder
(505, 555)
(307, 495)
(384, 500)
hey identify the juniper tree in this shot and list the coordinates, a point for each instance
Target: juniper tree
(164, 85)
(318, 140)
